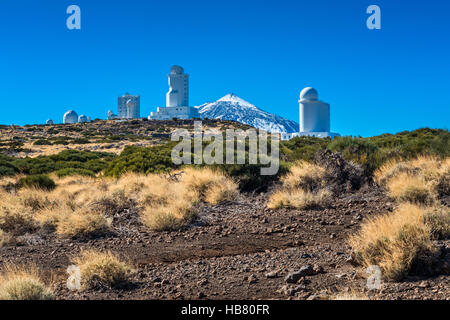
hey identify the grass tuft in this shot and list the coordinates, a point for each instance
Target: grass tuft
(397, 241)
(102, 269)
(19, 283)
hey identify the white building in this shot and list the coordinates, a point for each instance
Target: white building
(111, 115)
(314, 117)
(70, 117)
(177, 99)
(133, 109)
(49, 122)
(83, 119)
(123, 108)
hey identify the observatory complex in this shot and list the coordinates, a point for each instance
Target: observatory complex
(314, 117)
(71, 117)
(177, 99)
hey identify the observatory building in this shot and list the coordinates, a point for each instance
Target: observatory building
(111, 115)
(177, 99)
(314, 117)
(49, 122)
(83, 119)
(70, 117)
(129, 107)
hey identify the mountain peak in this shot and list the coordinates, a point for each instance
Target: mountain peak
(231, 97)
(231, 107)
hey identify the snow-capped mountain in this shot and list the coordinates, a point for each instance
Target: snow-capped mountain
(231, 107)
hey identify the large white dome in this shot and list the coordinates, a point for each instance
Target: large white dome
(309, 94)
(70, 117)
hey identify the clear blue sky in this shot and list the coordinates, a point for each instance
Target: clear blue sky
(390, 80)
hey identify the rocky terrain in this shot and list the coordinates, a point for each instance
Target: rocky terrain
(237, 250)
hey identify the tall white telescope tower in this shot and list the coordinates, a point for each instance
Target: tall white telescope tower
(314, 114)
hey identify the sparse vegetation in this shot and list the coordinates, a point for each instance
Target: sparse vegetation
(411, 188)
(421, 180)
(302, 188)
(171, 205)
(38, 181)
(398, 242)
(64, 200)
(102, 269)
(20, 283)
(299, 199)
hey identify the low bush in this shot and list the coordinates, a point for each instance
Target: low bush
(299, 199)
(81, 223)
(398, 242)
(42, 142)
(212, 186)
(411, 188)
(38, 181)
(74, 172)
(19, 283)
(102, 269)
(303, 187)
(15, 218)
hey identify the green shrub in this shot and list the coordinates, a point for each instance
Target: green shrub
(74, 172)
(38, 181)
(155, 159)
(93, 161)
(42, 142)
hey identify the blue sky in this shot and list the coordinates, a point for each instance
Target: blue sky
(388, 80)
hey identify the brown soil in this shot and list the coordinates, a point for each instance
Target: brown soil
(236, 250)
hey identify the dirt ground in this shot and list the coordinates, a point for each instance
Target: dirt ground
(236, 250)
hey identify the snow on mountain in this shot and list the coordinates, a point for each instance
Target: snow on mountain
(231, 107)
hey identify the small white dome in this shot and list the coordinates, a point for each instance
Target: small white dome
(130, 103)
(82, 119)
(309, 94)
(176, 70)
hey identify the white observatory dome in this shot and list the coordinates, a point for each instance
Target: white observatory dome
(82, 119)
(309, 94)
(70, 117)
(49, 121)
(176, 70)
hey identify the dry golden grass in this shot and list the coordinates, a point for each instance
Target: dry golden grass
(20, 283)
(80, 206)
(15, 218)
(395, 241)
(299, 199)
(103, 269)
(302, 188)
(353, 295)
(420, 180)
(169, 204)
(428, 167)
(212, 186)
(82, 223)
(5, 238)
(170, 211)
(438, 219)
(304, 175)
(406, 187)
